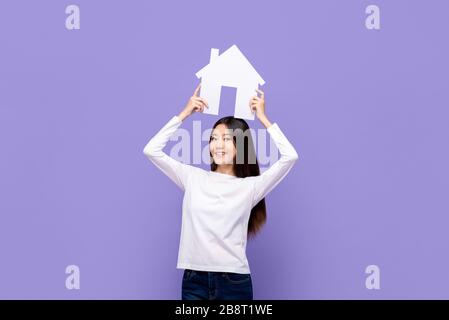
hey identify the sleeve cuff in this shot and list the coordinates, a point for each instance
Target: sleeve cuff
(272, 127)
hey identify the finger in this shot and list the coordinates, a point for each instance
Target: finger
(197, 90)
(262, 94)
(201, 107)
(202, 100)
(198, 102)
(205, 102)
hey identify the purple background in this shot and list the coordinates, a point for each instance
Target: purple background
(366, 110)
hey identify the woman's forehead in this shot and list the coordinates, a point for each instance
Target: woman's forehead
(221, 129)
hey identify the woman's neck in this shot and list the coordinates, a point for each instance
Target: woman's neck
(226, 169)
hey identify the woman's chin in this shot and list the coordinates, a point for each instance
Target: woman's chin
(220, 162)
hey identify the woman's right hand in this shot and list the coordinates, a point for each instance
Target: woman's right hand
(195, 104)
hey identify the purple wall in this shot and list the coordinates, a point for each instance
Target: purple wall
(367, 111)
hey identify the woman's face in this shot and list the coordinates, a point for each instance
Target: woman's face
(221, 145)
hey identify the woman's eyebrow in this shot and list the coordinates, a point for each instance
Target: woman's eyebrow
(224, 134)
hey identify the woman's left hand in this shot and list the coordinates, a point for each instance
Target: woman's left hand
(257, 104)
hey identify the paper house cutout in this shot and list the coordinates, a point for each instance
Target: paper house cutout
(230, 69)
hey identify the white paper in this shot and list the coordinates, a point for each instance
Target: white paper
(231, 69)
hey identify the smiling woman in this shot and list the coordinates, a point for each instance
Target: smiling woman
(222, 207)
(222, 147)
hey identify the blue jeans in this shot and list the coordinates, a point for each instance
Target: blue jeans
(209, 285)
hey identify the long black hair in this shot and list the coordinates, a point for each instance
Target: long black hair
(245, 165)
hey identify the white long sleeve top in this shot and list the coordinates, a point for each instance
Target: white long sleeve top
(216, 207)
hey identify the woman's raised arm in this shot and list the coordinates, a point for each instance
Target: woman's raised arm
(270, 178)
(177, 171)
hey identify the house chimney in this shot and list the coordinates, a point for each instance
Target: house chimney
(213, 54)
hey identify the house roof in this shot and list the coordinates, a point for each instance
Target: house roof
(232, 53)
